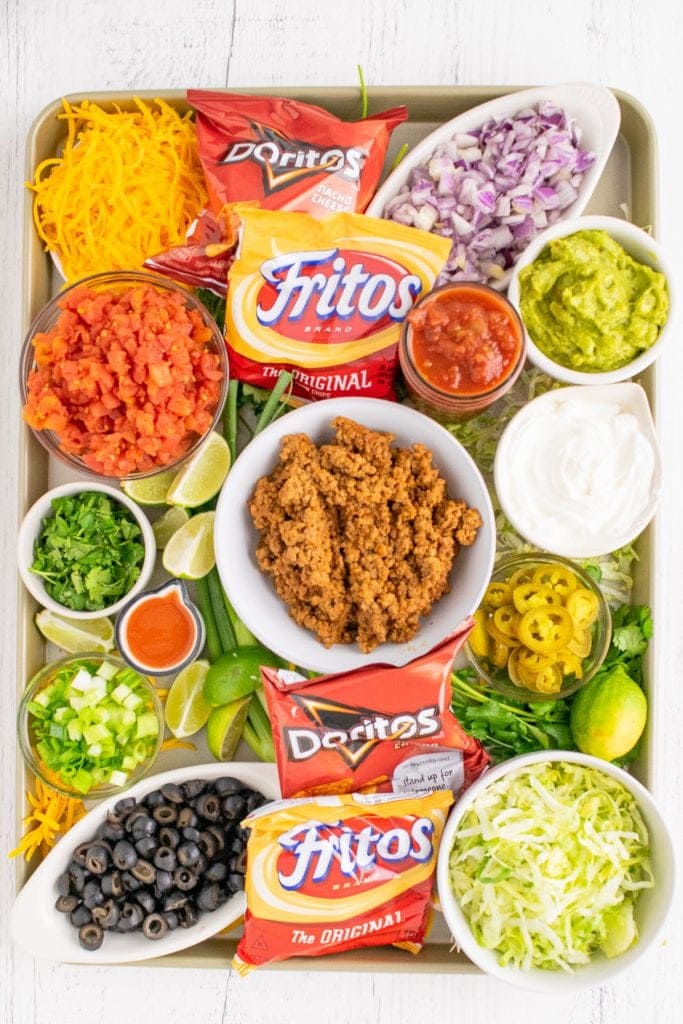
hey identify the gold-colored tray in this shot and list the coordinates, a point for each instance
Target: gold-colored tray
(628, 187)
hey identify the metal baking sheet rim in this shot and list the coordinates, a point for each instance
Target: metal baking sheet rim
(428, 106)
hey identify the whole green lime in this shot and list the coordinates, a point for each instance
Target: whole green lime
(608, 715)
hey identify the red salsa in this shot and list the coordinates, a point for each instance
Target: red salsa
(466, 340)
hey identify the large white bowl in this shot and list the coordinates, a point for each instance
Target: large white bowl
(251, 591)
(594, 108)
(635, 241)
(44, 932)
(650, 911)
(30, 529)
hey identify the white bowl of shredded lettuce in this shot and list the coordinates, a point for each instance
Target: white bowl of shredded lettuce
(556, 871)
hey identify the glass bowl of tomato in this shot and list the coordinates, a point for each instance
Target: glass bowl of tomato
(542, 630)
(462, 347)
(123, 375)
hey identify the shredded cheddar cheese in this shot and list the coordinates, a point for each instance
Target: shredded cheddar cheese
(127, 185)
(173, 744)
(52, 814)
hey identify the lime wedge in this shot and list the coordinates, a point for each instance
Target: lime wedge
(167, 524)
(202, 475)
(76, 636)
(186, 710)
(189, 553)
(150, 490)
(224, 728)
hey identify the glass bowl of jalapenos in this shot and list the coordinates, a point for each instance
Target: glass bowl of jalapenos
(542, 630)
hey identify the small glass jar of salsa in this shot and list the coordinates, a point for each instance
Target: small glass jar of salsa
(461, 348)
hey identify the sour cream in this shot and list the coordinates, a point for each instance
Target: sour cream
(577, 470)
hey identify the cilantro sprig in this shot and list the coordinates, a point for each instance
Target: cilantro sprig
(89, 551)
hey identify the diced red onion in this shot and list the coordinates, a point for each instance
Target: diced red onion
(494, 188)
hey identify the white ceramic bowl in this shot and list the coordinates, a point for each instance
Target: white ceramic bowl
(43, 932)
(509, 476)
(251, 591)
(642, 247)
(650, 911)
(594, 108)
(31, 526)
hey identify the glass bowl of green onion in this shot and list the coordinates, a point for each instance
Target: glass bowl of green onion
(89, 725)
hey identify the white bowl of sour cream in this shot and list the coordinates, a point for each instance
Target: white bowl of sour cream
(578, 469)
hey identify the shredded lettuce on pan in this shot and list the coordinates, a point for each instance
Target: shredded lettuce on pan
(480, 436)
(547, 865)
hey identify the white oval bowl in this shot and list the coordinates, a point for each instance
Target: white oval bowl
(31, 526)
(42, 931)
(251, 592)
(635, 241)
(630, 397)
(650, 911)
(594, 108)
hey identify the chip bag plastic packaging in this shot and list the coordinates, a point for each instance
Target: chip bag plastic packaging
(287, 154)
(325, 299)
(207, 254)
(375, 729)
(339, 872)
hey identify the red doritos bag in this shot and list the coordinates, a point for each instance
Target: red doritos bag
(377, 729)
(287, 154)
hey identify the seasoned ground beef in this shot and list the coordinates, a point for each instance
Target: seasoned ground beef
(358, 537)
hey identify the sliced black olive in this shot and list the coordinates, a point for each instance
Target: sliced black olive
(209, 896)
(173, 793)
(187, 818)
(207, 844)
(171, 919)
(143, 827)
(154, 926)
(112, 884)
(80, 852)
(219, 836)
(165, 858)
(193, 788)
(236, 844)
(216, 872)
(191, 834)
(138, 815)
(165, 814)
(76, 877)
(146, 901)
(188, 916)
(175, 900)
(255, 800)
(164, 882)
(92, 894)
(65, 904)
(124, 855)
(111, 832)
(130, 917)
(239, 861)
(154, 798)
(144, 872)
(201, 865)
(234, 807)
(208, 806)
(130, 882)
(147, 845)
(81, 915)
(169, 837)
(97, 859)
(64, 884)
(184, 879)
(188, 854)
(107, 915)
(90, 936)
(226, 785)
(124, 806)
(234, 882)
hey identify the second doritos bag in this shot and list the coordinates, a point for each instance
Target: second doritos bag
(287, 154)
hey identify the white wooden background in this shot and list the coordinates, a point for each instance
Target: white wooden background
(52, 47)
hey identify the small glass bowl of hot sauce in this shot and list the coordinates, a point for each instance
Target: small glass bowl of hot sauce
(462, 347)
(160, 631)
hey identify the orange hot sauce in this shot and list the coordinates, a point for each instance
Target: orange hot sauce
(160, 632)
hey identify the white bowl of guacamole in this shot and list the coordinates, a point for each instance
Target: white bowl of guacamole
(595, 299)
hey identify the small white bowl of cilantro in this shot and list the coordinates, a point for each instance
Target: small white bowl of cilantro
(85, 549)
(555, 872)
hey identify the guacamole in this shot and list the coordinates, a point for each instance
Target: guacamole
(588, 305)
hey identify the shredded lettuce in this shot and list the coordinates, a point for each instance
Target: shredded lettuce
(480, 435)
(547, 865)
